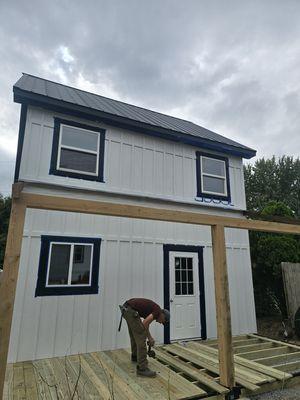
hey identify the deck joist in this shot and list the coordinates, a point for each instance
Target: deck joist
(186, 370)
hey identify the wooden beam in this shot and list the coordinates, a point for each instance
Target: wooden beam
(46, 202)
(226, 363)
(9, 279)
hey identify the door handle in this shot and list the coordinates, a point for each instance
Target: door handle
(171, 300)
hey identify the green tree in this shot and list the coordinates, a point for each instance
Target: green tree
(273, 179)
(5, 206)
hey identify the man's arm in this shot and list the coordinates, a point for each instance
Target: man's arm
(146, 322)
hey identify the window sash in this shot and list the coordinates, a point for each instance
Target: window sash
(223, 177)
(72, 245)
(75, 148)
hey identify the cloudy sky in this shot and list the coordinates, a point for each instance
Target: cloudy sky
(231, 66)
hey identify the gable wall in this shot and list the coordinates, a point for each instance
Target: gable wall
(134, 163)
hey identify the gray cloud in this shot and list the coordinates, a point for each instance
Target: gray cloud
(231, 66)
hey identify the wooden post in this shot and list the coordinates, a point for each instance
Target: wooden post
(9, 278)
(226, 363)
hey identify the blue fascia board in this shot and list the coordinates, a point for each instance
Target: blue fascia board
(29, 98)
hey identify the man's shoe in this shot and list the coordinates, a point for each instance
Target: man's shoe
(147, 372)
(133, 358)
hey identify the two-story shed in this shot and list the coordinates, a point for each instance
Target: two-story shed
(76, 268)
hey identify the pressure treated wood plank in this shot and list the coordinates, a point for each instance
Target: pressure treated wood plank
(276, 342)
(252, 355)
(8, 384)
(19, 391)
(253, 366)
(244, 342)
(253, 347)
(134, 211)
(222, 306)
(202, 360)
(171, 384)
(30, 381)
(61, 377)
(9, 280)
(281, 359)
(190, 371)
(289, 367)
(251, 374)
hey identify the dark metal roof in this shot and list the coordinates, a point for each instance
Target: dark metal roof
(31, 88)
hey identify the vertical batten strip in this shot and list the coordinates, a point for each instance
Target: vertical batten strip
(226, 363)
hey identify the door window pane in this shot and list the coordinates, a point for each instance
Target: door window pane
(79, 138)
(81, 265)
(59, 264)
(78, 161)
(212, 184)
(184, 276)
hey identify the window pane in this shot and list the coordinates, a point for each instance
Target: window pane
(183, 263)
(177, 276)
(213, 166)
(184, 276)
(190, 288)
(78, 161)
(81, 264)
(216, 185)
(190, 276)
(177, 263)
(190, 263)
(79, 138)
(184, 288)
(177, 289)
(59, 264)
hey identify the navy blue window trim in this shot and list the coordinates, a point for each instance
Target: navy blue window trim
(22, 125)
(80, 175)
(42, 290)
(198, 176)
(183, 248)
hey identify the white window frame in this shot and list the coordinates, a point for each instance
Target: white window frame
(69, 284)
(184, 255)
(60, 145)
(213, 176)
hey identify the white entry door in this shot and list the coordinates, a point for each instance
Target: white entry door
(184, 295)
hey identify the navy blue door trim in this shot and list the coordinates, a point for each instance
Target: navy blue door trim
(183, 248)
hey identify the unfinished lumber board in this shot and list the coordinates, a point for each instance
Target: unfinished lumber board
(290, 367)
(211, 342)
(30, 381)
(171, 384)
(253, 347)
(19, 391)
(280, 359)
(245, 342)
(222, 306)
(253, 366)
(61, 377)
(252, 374)
(202, 360)
(8, 384)
(252, 355)
(278, 342)
(190, 371)
(119, 378)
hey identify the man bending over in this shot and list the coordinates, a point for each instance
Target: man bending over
(133, 311)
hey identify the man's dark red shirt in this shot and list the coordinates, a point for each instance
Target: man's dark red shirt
(145, 307)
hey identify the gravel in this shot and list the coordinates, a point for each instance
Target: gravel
(285, 394)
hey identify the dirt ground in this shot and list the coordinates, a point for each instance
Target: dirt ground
(273, 328)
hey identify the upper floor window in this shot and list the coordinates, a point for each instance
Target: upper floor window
(68, 265)
(77, 150)
(212, 176)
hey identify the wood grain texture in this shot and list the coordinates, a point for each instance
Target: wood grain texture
(222, 306)
(9, 280)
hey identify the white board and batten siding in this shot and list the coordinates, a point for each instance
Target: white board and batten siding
(131, 265)
(134, 164)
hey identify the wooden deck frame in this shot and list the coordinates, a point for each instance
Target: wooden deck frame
(22, 200)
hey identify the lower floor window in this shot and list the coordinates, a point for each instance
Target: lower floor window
(68, 265)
